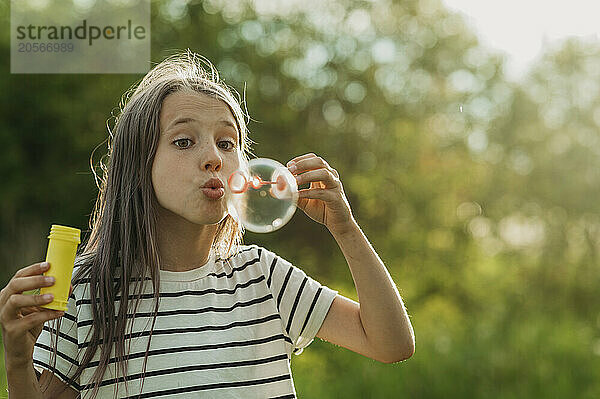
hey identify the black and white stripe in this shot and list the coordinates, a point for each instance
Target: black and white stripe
(228, 331)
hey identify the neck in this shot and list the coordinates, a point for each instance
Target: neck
(183, 245)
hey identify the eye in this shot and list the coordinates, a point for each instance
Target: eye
(226, 144)
(180, 140)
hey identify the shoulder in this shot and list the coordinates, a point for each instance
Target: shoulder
(244, 252)
(251, 254)
(81, 270)
(80, 279)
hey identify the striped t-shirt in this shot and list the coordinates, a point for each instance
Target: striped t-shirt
(224, 330)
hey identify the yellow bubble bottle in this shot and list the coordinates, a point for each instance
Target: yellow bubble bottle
(62, 248)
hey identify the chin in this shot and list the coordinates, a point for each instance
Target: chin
(210, 219)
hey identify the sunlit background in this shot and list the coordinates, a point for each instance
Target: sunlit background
(527, 29)
(468, 149)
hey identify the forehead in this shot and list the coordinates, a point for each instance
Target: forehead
(194, 105)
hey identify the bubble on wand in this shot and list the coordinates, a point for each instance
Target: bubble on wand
(262, 196)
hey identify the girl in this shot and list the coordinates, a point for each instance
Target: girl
(166, 301)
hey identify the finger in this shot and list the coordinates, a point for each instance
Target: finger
(316, 193)
(35, 320)
(30, 309)
(20, 284)
(301, 157)
(319, 175)
(70, 289)
(308, 162)
(17, 285)
(15, 302)
(22, 305)
(34, 269)
(313, 163)
(31, 270)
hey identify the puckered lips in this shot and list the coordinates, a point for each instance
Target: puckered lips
(213, 188)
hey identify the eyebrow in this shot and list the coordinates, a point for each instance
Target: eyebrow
(179, 121)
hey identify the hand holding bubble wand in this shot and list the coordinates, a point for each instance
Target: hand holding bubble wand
(263, 194)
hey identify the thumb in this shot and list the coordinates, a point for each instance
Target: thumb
(302, 202)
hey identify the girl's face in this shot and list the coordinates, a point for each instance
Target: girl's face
(198, 141)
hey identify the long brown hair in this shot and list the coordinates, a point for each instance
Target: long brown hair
(122, 246)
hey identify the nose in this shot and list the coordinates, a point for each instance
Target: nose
(212, 160)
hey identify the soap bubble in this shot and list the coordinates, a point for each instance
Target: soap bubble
(262, 195)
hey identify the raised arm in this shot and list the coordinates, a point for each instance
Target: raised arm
(378, 326)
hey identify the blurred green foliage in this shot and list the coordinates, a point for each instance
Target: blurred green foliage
(480, 194)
